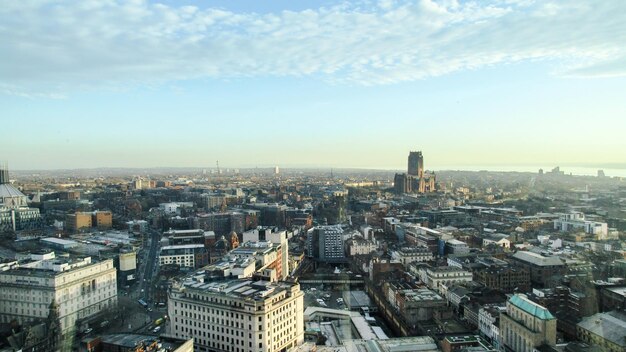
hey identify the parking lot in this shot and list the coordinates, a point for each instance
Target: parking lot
(328, 296)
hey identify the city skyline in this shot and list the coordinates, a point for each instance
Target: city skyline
(147, 84)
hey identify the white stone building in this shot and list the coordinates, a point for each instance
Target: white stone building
(237, 315)
(408, 255)
(79, 287)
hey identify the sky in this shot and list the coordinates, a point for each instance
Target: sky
(312, 83)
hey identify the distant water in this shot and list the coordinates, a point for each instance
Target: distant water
(574, 170)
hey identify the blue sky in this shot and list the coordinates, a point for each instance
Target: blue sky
(312, 84)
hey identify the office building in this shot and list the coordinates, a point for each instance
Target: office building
(525, 325)
(102, 219)
(237, 315)
(184, 255)
(325, 244)
(575, 221)
(78, 221)
(81, 289)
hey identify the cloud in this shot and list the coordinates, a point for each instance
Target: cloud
(55, 47)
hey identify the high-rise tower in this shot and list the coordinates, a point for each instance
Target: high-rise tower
(416, 164)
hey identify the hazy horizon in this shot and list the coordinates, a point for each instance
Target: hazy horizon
(614, 170)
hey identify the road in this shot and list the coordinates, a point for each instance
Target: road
(151, 266)
(147, 270)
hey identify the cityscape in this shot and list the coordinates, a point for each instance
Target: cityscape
(272, 259)
(313, 176)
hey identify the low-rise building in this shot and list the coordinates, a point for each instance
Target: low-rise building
(358, 245)
(454, 246)
(413, 304)
(408, 255)
(607, 330)
(545, 270)
(436, 277)
(575, 221)
(466, 343)
(185, 255)
(506, 279)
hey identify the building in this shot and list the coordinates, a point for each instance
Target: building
(415, 164)
(440, 277)
(575, 221)
(223, 223)
(489, 322)
(415, 180)
(413, 304)
(138, 343)
(15, 215)
(184, 255)
(607, 330)
(408, 255)
(358, 245)
(237, 315)
(269, 258)
(81, 289)
(525, 325)
(137, 226)
(456, 247)
(127, 266)
(78, 221)
(102, 219)
(497, 239)
(466, 343)
(506, 279)
(280, 240)
(545, 270)
(325, 244)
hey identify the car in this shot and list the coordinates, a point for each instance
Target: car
(87, 331)
(157, 329)
(149, 309)
(313, 289)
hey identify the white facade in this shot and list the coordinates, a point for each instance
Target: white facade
(408, 255)
(238, 315)
(439, 278)
(359, 246)
(80, 289)
(575, 221)
(276, 237)
(181, 255)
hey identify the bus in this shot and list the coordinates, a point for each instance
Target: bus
(143, 303)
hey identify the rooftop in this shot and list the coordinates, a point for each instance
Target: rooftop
(611, 326)
(523, 303)
(538, 259)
